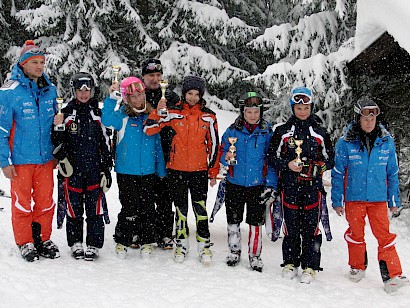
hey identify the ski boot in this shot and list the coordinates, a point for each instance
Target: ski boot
(181, 250)
(356, 275)
(205, 253)
(289, 271)
(233, 258)
(29, 252)
(91, 253)
(121, 251)
(77, 251)
(48, 249)
(166, 243)
(395, 283)
(146, 250)
(308, 275)
(256, 263)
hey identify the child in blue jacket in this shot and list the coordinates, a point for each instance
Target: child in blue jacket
(247, 177)
(138, 159)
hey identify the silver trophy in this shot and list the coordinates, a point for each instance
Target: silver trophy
(59, 127)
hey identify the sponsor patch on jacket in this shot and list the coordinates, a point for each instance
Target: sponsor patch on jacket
(73, 128)
(134, 124)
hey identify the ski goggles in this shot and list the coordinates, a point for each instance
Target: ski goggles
(370, 111)
(154, 66)
(252, 102)
(134, 87)
(83, 83)
(302, 99)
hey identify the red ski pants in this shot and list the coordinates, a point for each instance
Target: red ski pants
(33, 182)
(379, 224)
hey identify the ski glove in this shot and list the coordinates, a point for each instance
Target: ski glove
(115, 95)
(268, 196)
(65, 168)
(106, 180)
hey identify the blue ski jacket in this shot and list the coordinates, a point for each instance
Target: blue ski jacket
(252, 168)
(362, 176)
(27, 112)
(136, 153)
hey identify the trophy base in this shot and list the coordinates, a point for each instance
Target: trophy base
(59, 128)
(232, 162)
(163, 113)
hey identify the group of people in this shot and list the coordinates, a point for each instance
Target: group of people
(163, 147)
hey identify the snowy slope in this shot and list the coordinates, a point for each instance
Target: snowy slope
(159, 282)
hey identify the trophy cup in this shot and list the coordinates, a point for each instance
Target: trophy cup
(232, 149)
(116, 71)
(298, 151)
(59, 127)
(163, 112)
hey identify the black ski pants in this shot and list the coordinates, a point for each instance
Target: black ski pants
(180, 182)
(83, 191)
(137, 215)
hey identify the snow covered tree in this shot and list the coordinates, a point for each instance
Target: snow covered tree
(310, 48)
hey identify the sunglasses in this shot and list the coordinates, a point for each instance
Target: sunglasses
(253, 102)
(154, 66)
(302, 99)
(134, 87)
(370, 111)
(83, 83)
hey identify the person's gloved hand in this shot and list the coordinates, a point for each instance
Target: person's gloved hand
(268, 196)
(106, 180)
(65, 168)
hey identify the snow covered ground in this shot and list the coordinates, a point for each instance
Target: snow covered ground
(160, 282)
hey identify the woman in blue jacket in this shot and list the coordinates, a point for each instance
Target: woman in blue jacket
(364, 182)
(247, 178)
(138, 158)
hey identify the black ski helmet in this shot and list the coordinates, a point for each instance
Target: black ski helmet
(250, 99)
(365, 106)
(82, 80)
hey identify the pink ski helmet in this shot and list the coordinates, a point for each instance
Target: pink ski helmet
(130, 85)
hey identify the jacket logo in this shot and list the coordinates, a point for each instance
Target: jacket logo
(73, 128)
(204, 127)
(291, 142)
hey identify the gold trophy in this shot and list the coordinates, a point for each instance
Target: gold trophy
(59, 127)
(116, 71)
(163, 112)
(298, 151)
(232, 149)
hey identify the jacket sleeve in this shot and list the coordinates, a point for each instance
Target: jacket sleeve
(6, 123)
(154, 123)
(213, 148)
(271, 175)
(224, 147)
(160, 169)
(111, 118)
(393, 189)
(329, 160)
(274, 157)
(339, 173)
(59, 139)
(105, 148)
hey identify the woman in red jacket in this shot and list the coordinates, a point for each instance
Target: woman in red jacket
(192, 160)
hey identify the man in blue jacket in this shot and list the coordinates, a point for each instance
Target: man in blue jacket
(364, 183)
(27, 108)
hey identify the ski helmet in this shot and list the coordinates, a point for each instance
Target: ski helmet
(366, 107)
(301, 95)
(129, 86)
(81, 81)
(250, 100)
